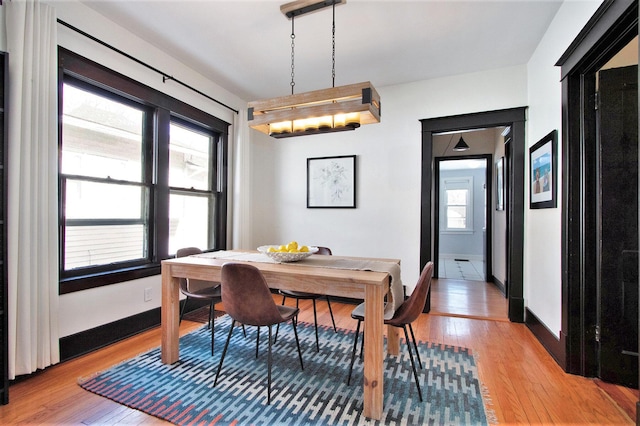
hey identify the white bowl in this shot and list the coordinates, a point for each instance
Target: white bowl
(286, 257)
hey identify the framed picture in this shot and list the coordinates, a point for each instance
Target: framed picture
(331, 182)
(543, 163)
(500, 184)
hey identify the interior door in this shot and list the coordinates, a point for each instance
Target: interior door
(618, 228)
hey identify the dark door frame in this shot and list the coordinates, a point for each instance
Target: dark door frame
(610, 28)
(514, 117)
(488, 210)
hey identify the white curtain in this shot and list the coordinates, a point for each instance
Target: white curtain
(32, 186)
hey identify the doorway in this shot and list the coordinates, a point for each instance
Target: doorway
(513, 200)
(600, 197)
(462, 231)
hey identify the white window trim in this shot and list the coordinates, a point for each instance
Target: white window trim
(458, 182)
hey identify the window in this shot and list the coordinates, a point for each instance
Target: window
(141, 175)
(458, 209)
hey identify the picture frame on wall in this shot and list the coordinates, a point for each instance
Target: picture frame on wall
(331, 182)
(500, 184)
(543, 167)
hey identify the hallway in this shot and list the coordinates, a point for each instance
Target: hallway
(470, 299)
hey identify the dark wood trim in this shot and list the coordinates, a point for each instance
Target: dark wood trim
(612, 26)
(592, 36)
(514, 117)
(87, 341)
(555, 346)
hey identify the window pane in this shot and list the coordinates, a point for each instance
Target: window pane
(189, 158)
(188, 222)
(457, 197)
(456, 217)
(100, 245)
(101, 137)
(93, 200)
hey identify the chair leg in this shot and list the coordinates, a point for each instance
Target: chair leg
(415, 345)
(335, 330)
(413, 365)
(295, 333)
(315, 321)
(362, 347)
(182, 310)
(353, 353)
(269, 371)
(213, 325)
(258, 339)
(212, 309)
(278, 326)
(224, 352)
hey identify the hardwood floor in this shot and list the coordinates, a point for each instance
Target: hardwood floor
(469, 299)
(524, 384)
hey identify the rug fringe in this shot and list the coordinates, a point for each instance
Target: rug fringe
(492, 418)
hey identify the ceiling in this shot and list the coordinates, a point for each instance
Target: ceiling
(245, 45)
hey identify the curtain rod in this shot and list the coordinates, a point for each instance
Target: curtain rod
(165, 76)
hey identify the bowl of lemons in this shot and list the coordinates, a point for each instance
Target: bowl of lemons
(291, 252)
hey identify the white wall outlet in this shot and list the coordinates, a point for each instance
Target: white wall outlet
(147, 294)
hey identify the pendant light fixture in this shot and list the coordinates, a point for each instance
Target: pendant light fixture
(461, 145)
(321, 111)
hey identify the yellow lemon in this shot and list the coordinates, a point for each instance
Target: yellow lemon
(293, 251)
(282, 248)
(272, 249)
(293, 245)
(304, 249)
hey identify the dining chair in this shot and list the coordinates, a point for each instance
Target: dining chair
(203, 290)
(247, 299)
(299, 295)
(406, 313)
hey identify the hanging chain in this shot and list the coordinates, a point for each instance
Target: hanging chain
(333, 47)
(293, 38)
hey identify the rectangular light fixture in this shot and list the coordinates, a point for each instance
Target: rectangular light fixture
(320, 111)
(300, 7)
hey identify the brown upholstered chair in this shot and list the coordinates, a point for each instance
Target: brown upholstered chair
(203, 290)
(406, 313)
(298, 295)
(247, 299)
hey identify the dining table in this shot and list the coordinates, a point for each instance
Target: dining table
(331, 275)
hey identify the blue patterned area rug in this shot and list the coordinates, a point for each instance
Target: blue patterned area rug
(183, 393)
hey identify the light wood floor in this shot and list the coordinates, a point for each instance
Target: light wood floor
(469, 299)
(525, 385)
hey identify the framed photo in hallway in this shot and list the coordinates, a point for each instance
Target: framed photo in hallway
(500, 184)
(543, 166)
(331, 182)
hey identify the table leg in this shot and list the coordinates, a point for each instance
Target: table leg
(393, 340)
(374, 351)
(170, 317)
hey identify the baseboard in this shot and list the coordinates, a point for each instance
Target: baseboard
(501, 286)
(90, 340)
(555, 346)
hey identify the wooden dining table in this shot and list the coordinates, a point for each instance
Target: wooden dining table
(357, 284)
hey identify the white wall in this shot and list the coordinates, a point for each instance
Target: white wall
(386, 222)
(87, 309)
(269, 189)
(542, 251)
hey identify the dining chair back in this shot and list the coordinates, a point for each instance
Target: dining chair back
(406, 313)
(248, 300)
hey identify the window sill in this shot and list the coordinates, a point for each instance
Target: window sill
(86, 282)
